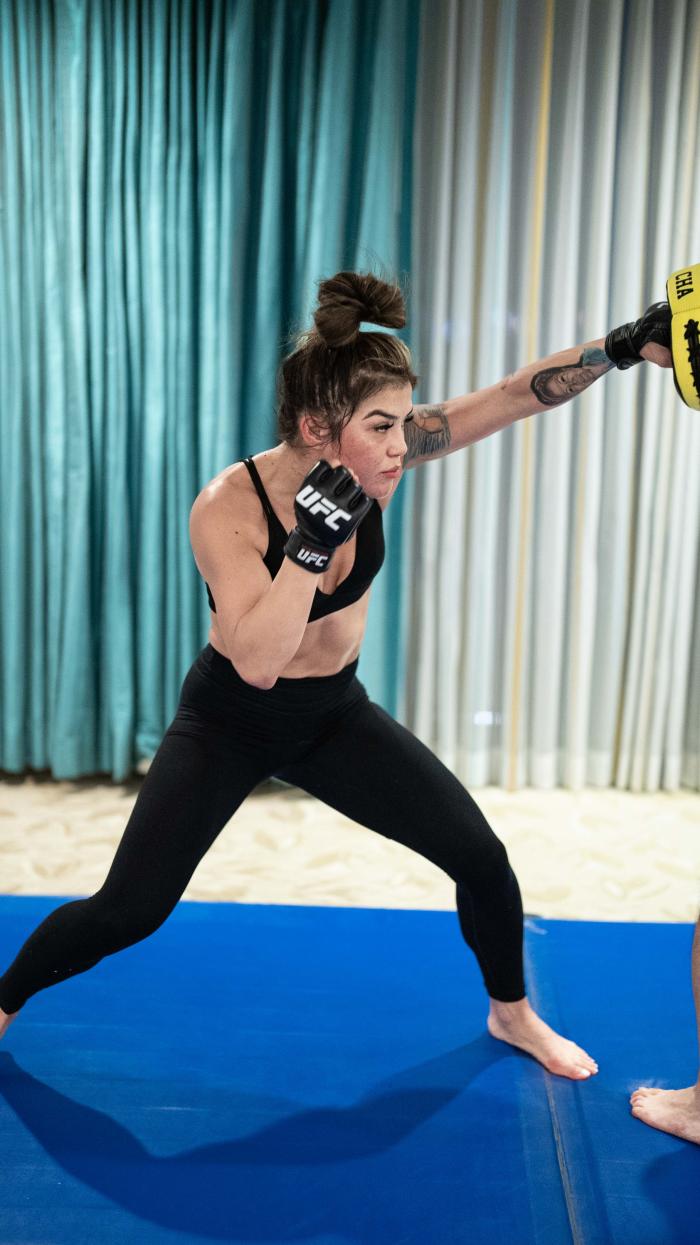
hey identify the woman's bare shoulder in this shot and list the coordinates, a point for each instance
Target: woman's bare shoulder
(231, 488)
(227, 499)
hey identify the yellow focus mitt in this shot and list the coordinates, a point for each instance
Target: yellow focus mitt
(683, 291)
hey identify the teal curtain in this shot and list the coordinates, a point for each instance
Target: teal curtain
(175, 178)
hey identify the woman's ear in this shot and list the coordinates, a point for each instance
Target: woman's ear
(313, 434)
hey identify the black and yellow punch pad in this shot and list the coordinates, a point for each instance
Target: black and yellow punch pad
(683, 292)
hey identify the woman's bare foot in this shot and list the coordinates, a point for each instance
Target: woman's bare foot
(6, 1019)
(674, 1111)
(519, 1025)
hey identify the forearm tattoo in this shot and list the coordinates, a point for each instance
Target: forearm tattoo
(428, 432)
(555, 385)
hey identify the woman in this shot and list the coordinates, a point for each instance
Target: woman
(288, 543)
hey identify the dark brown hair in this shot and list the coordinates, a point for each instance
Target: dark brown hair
(334, 367)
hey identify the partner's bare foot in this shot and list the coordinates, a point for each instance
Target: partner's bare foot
(674, 1111)
(6, 1019)
(519, 1025)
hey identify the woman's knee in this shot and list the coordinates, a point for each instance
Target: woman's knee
(124, 919)
(484, 860)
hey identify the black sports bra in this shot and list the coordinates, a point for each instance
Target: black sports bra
(369, 555)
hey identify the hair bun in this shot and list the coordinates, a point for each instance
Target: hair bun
(347, 299)
(326, 383)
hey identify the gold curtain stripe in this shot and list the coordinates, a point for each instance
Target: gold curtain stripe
(527, 429)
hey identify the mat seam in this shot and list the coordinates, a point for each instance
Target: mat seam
(567, 1190)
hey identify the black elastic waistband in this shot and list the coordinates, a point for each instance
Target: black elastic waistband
(225, 670)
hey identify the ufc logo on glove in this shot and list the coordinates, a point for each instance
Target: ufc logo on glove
(307, 555)
(312, 500)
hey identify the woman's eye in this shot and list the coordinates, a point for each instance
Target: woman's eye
(383, 427)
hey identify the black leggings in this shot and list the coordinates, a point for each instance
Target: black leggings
(322, 734)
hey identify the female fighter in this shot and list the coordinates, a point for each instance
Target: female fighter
(288, 543)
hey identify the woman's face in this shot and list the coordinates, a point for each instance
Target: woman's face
(373, 443)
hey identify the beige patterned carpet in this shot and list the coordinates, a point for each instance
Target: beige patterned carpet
(590, 855)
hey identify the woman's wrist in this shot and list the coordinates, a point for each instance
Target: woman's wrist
(310, 555)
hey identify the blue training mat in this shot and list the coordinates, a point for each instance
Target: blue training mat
(623, 992)
(257, 1073)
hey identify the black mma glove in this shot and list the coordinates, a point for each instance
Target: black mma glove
(329, 507)
(623, 345)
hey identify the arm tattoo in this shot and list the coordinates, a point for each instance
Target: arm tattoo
(428, 433)
(555, 385)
